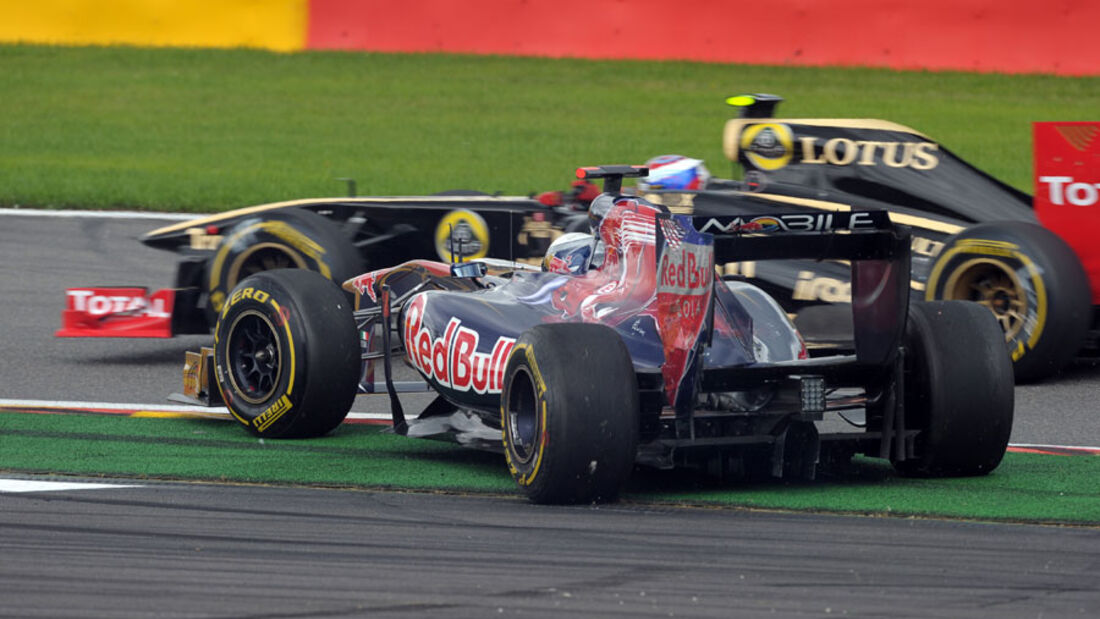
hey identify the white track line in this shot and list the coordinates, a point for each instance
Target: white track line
(114, 406)
(29, 212)
(218, 411)
(1037, 446)
(27, 485)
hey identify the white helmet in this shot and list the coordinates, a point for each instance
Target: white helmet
(570, 253)
(674, 172)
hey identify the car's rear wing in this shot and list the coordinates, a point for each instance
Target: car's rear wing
(689, 247)
(876, 249)
(878, 255)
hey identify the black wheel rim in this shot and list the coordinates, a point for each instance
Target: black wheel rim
(255, 355)
(521, 416)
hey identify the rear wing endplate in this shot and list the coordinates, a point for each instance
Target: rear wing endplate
(876, 249)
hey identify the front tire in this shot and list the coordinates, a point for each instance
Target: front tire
(290, 238)
(569, 411)
(1031, 281)
(286, 354)
(959, 391)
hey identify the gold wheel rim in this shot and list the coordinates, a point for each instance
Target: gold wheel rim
(262, 257)
(993, 284)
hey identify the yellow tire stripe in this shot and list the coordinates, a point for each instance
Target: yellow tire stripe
(544, 431)
(293, 362)
(289, 345)
(1002, 247)
(540, 386)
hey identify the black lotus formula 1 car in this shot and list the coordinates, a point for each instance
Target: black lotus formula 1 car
(336, 237)
(973, 237)
(638, 355)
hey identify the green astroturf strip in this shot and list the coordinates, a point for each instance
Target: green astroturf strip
(1026, 487)
(204, 449)
(204, 130)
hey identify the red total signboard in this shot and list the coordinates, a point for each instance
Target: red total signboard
(1067, 188)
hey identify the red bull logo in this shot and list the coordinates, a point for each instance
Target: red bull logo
(686, 271)
(452, 360)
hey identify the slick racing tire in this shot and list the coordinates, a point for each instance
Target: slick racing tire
(290, 238)
(1031, 281)
(286, 354)
(958, 390)
(569, 411)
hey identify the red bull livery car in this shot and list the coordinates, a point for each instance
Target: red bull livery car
(628, 350)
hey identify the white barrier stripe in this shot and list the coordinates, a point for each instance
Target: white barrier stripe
(113, 406)
(1038, 446)
(155, 408)
(28, 485)
(34, 212)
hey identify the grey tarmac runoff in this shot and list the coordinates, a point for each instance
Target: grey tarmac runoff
(137, 548)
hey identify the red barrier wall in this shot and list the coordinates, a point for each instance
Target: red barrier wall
(1012, 36)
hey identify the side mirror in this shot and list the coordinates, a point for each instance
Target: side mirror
(469, 269)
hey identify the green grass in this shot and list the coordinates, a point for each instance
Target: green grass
(1026, 487)
(208, 130)
(204, 449)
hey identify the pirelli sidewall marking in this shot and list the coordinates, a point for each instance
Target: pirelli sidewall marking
(525, 479)
(1033, 323)
(272, 414)
(282, 320)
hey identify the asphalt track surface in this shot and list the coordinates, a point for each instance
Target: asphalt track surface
(202, 550)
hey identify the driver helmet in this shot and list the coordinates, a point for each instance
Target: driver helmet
(570, 254)
(674, 172)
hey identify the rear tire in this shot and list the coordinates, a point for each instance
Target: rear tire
(1031, 281)
(569, 411)
(286, 354)
(958, 390)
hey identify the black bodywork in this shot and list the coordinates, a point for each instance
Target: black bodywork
(382, 230)
(811, 166)
(790, 166)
